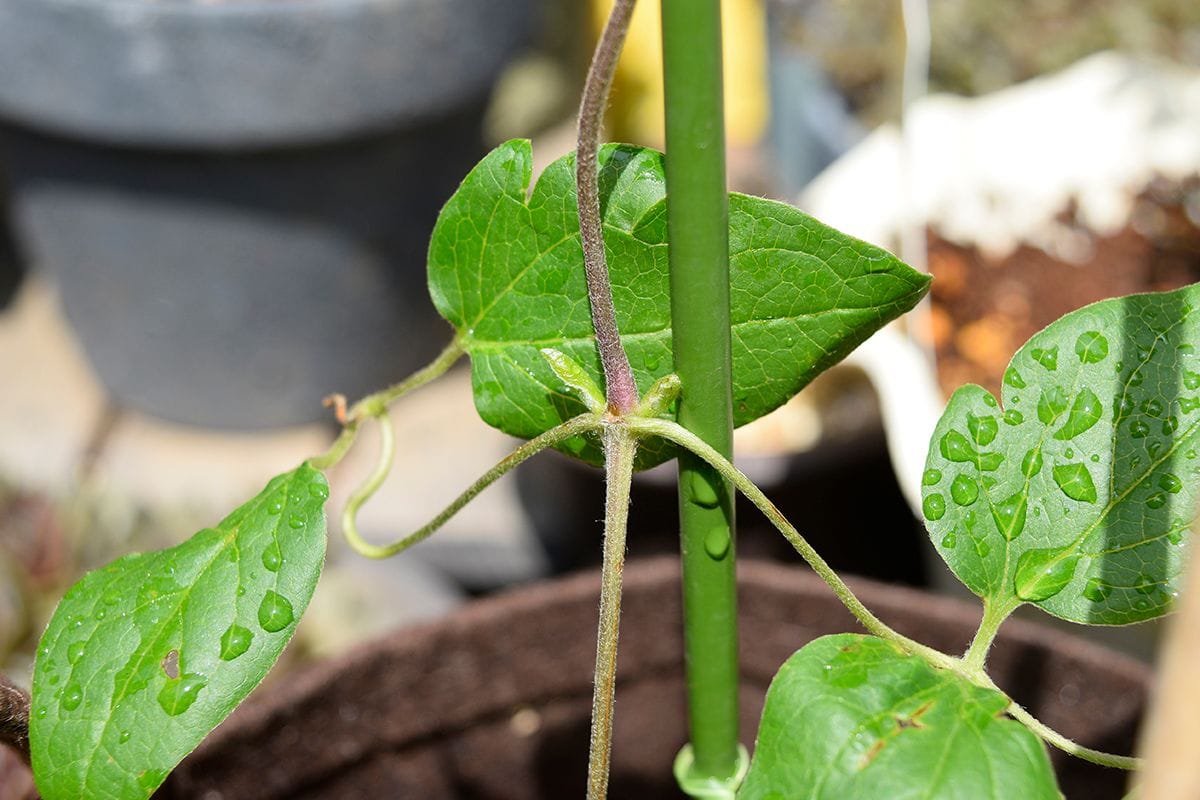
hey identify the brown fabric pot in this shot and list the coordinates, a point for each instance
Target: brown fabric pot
(493, 702)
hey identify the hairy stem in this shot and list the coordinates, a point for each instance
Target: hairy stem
(14, 717)
(619, 450)
(572, 427)
(1053, 737)
(989, 626)
(620, 388)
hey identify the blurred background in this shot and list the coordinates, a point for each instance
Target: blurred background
(212, 215)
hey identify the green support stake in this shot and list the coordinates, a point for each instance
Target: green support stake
(699, 262)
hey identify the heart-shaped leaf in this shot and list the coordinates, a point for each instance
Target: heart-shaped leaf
(506, 269)
(852, 716)
(1077, 491)
(145, 656)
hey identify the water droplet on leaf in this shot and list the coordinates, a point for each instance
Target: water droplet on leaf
(1156, 500)
(177, 696)
(1091, 347)
(235, 641)
(1085, 412)
(1014, 379)
(983, 429)
(934, 507)
(272, 557)
(73, 697)
(964, 490)
(74, 652)
(275, 612)
(1047, 357)
(1009, 515)
(296, 521)
(955, 447)
(982, 548)
(1013, 417)
(1052, 403)
(1075, 481)
(949, 540)
(1170, 483)
(1096, 590)
(931, 477)
(1031, 464)
(1043, 573)
(1138, 429)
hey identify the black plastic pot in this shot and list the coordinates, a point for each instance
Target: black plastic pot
(235, 199)
(493, 702)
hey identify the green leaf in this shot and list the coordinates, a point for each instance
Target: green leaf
(506, 269)
(145, 656)
(1077, 490)
(852, 716)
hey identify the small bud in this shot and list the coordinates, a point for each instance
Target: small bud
(576, 378)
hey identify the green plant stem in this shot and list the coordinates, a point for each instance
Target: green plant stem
(698, 230)
(619, 450)
(1053, 737)
(993, 615)
(374, 404)
(572, 427)
(620, 388)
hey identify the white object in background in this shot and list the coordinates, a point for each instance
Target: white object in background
(996, 171)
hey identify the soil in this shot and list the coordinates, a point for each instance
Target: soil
(984, 309)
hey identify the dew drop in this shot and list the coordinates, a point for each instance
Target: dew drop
(1154, 448)
(1175, 536)
(1135, 378)
(178, 695)
(319, 490)
(100, 614)
(1014, 379)
(1047, 357)
(275, 505)
(1013, 417)
(296, 521)
(1096, 590)
(1191, 379)
(74, 652)
(964, 490)
(1031, 464)
(1141, 604)
(1170, 483)
(235, 641)
(931, 477)
(982, 548)
(949, 540)
(41, 712)
(934, 507)
(1152, 407)
(1009, 515)
(272, 557)
(1069, 453)
(990, 462)
(124, 737)
(1170, 425)
(955, 447)
(1075, 481)
(1095, 458)
(275, 612)
(1146, 584)
(704, 494)
(112, 598)
(1043, 573)
(983, 429)
(989, 401)
(1085, 412)
(241, 590)
(1138, 429)
(1188, 404)
(1052, 403)
(1091, 347)
(72, 697)
(1156, 500)
(716, 543)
